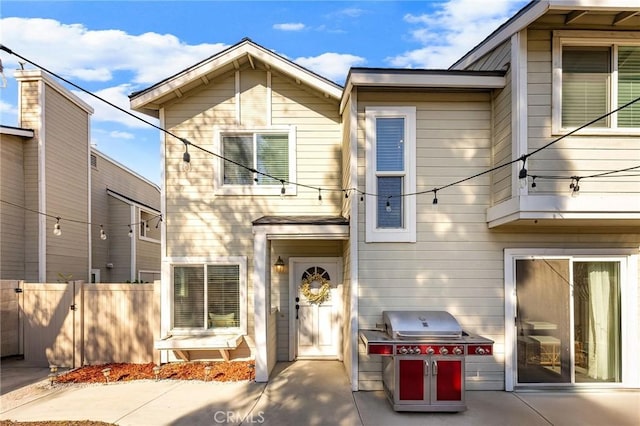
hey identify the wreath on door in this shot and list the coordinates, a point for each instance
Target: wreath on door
(323, 293)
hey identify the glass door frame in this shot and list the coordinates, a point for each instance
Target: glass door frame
(628, 260)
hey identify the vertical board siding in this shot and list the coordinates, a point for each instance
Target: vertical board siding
(9, 318)
(66, 163)
(12, 217)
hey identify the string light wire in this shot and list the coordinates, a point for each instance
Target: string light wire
(186, 142)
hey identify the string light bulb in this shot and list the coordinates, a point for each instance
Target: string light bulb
(130, 232)
(103, 235)
(434, 203)
(186, 157)
(533, 182)
(575, 186)
(56, 228)
(523, 172)
(346, 193)
(282, 190)
(388, 205)
(319, 196)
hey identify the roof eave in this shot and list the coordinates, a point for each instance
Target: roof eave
(145, 100)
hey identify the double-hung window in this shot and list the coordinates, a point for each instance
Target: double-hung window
(210, 297)
(592, 77)
(256, 162)
(391, 169)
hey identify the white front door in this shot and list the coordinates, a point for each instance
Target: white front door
(316, 311)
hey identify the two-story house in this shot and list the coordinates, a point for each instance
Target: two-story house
(66, 208)
(296, 211)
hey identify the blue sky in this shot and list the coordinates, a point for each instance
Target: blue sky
(114, 48)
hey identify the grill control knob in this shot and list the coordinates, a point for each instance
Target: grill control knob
(480, 351)
(416, 350)
(403, 350)
(430, 351)
(444, 351)
(457, 350)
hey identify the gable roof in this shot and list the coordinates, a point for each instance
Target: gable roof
(622, 9)
(150, 99)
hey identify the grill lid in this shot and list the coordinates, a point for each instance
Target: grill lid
(421, 324)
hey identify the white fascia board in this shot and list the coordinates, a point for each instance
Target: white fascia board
(563, 207)
(145, 99)
(597, 5)
(26, 75)
(430, 80)
(287, 232)
(15, 131)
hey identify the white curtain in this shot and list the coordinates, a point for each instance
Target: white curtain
(604, 325)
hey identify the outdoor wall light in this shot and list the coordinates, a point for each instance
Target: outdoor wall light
(106, 372)
(279, 265)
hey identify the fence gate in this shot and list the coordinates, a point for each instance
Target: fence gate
(51, 319)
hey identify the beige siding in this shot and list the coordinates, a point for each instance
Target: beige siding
(30, 119)
(198, 222)
(117, 249)
(67, 186)
(574, 155)
(9, 318)
(497, 59)
(12, 216)
(502, 142)
(119, 242)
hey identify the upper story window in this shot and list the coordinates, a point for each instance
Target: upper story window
(269, 151)
(149, 226)
(593, 76)
(391, 173)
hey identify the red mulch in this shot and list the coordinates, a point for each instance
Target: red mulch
(121, 372)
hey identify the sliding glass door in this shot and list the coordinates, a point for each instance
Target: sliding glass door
(568, 326)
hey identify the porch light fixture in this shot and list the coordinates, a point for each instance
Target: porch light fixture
(56, 228)
(279, 265)
(103, 235)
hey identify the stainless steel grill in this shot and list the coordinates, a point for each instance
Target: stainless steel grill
(423, 354)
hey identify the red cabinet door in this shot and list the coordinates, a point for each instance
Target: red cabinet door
(411, 379)
(448, 375)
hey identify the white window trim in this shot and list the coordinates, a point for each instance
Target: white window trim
(241, 261)
(587, 38)
(408, 233)
(141, 223)
(628, 259)
(221, 189)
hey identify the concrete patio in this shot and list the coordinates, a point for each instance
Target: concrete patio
(300, 393)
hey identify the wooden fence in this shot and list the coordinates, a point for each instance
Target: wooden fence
(76, 323)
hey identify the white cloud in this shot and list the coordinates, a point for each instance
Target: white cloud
(121, 135)
(333, 66)
(298, 26)
(454, 29)
(76, 52)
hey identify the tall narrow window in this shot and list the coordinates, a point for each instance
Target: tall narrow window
(391, 148)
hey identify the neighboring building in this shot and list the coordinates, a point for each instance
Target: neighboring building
(510, 263)
(47, 171)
